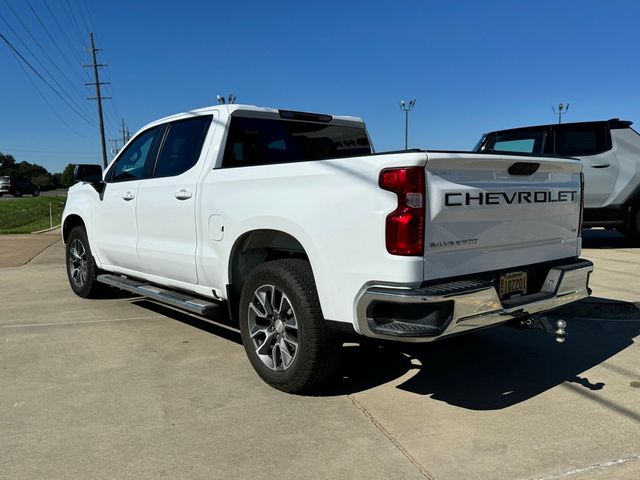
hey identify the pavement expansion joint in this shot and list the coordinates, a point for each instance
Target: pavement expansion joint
(40, 251)
(105, 320)
(597, 466)
(423, 471)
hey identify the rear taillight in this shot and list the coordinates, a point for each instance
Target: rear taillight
(581, 203)
(405, 225)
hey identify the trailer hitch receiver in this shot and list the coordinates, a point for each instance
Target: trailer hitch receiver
(543, 323)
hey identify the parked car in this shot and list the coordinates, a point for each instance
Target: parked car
(610, 153)
(17, 187)
(290, 223)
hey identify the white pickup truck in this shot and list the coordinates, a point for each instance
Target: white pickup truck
(290, 221)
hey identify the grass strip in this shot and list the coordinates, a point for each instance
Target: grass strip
(30, 214)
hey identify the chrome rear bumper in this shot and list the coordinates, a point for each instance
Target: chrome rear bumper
(431, 313)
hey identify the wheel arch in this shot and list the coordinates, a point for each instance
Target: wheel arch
(70, 222)
(254, 248)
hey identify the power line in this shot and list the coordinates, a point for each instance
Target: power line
(44, 80)
(53, 110)
(93, 28)
(42, 49)
(62, 31)
(73, 21)
(83, 18)
(56, 152)
(77, 108)
(55, 44)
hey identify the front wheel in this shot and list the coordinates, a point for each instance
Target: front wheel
(283, 331)
(81, 267)
(36, 193)
(17, 193)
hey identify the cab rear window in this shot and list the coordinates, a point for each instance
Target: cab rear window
(528, 142)
(576, 141)
(264, 141)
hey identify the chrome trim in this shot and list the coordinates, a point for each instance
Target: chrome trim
(479, 308)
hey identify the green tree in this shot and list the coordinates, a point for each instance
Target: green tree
(66, 179)
(7, 164)
(55, 180)
(43, 181)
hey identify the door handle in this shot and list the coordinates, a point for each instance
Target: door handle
(600, 165)
(128, 196)
(182, 194)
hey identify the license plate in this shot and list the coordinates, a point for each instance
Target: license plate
(512, 283)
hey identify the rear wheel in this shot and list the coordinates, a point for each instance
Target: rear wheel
(635, 223)
(81, 267)
(17, 193)
(36, 192)
(283, 330)
(632, 229)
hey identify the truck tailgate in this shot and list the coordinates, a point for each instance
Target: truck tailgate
(493, 212)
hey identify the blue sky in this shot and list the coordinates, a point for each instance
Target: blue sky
(472, 66)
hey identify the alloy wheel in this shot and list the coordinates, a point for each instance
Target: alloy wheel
(273, 327)
(78, 265)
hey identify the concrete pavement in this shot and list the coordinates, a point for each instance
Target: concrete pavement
(16, 250)
(124, 388)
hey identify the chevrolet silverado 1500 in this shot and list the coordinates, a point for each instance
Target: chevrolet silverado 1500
(290, 223)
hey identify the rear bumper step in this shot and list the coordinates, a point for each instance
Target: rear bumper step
(426, 314)
(170, 297)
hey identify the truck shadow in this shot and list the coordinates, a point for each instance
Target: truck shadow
(221, 327)
(488, 370)
(605, 239)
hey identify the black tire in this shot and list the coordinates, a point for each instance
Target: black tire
(36, 193)
(81, 267)
(17, 193)
(635, 223)
(632, 229)
(318, 350)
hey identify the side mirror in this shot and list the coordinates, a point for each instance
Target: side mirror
(87, 173)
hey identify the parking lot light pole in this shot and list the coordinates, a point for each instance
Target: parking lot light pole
(561, 110)
(406, 108)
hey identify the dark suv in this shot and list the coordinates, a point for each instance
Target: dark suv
(17, 186)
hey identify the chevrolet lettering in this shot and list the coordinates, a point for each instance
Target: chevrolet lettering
(458, 199)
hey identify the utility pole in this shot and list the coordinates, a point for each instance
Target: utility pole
(116, 146)
(125, 132)
(561, 110)
(406, 108)
(95, 65)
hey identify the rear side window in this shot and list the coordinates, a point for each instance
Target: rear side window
(573, 141)
(131, 164)
(182, 145)
(523, 142)
(261, 141)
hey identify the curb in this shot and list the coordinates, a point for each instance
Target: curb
(45, 230)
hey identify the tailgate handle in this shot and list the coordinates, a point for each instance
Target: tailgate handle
(523, 168)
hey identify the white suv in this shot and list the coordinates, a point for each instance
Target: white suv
(610, 153)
